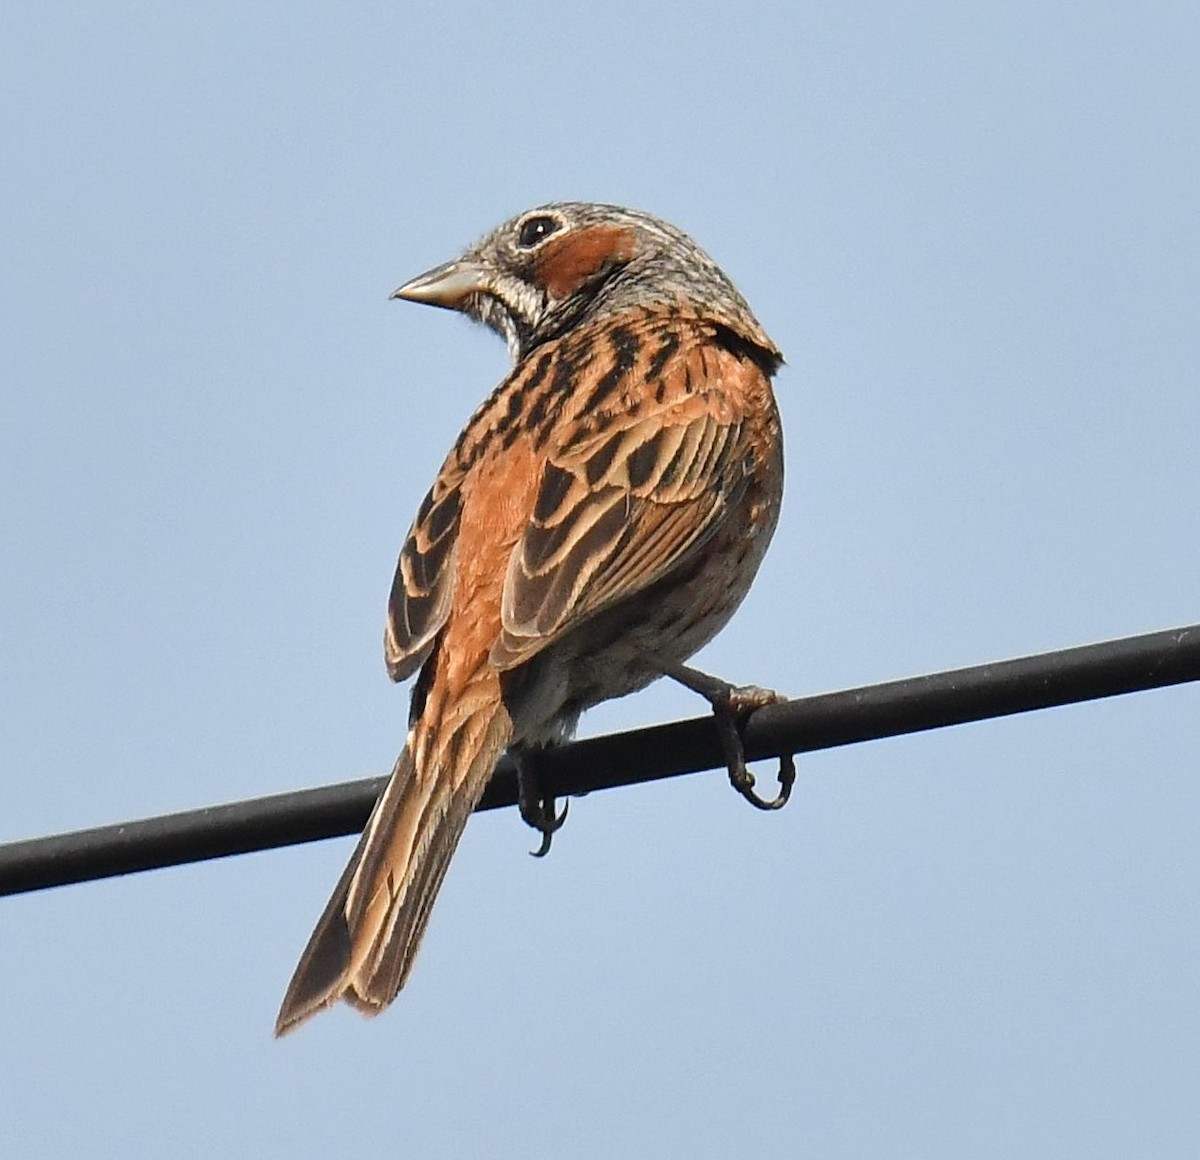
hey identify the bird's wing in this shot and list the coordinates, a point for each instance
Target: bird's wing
(424, 582)
(625, 498)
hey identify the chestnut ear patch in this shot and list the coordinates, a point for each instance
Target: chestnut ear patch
(565, 264)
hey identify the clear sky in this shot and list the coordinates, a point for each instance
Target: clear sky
(973, 230)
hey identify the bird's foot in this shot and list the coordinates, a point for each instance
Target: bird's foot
(537, 809)
(732, 705)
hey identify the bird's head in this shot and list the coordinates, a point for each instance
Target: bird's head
(552, 267)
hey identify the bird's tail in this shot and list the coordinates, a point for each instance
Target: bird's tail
(365, 941)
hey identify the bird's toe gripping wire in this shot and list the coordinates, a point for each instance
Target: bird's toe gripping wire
(731, 706)
(537, 809)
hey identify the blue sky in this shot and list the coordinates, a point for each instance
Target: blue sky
(972, 230)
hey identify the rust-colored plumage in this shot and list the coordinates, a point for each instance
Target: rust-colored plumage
(599, 520)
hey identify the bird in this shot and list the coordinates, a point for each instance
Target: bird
(598, 520)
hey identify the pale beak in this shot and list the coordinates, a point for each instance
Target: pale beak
(448, 285)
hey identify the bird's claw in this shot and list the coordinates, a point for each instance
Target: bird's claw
(743, 781)
(548, 822)
(731, 705)
(537, 811)
(730, 709)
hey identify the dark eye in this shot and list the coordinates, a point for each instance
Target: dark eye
(536, 229)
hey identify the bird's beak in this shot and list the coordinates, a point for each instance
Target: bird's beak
(448, 285)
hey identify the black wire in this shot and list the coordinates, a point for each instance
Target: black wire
(809, 723)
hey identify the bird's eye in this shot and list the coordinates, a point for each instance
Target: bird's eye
(536, 229)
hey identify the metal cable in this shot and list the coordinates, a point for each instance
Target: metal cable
(1107, 669)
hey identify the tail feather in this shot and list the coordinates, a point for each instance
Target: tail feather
(366, 939)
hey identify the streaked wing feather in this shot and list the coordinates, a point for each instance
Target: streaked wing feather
(424, 583)
(615, 513)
